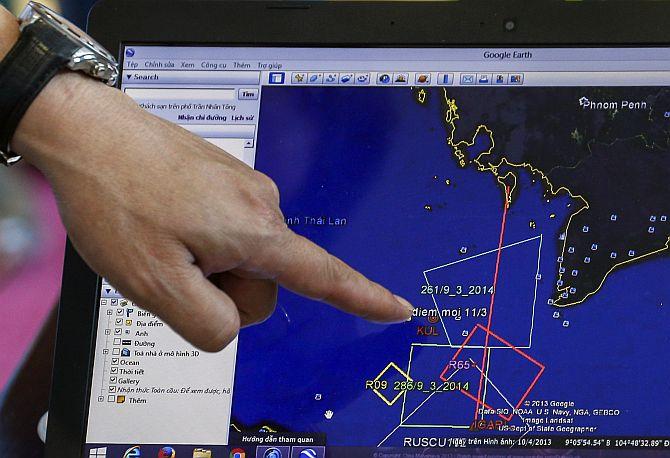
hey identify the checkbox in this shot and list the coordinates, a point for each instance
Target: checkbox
(111, 389)
(116, 351)
(117, 341)
(115, 360)
(111, 398)
(118, 331)
(119, 312)
(114, 370)
(119, 321)
(112, 379)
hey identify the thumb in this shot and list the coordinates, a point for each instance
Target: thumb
(195, 308)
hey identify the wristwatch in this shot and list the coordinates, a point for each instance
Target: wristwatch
(48, 44)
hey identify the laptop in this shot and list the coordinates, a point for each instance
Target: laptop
(504, 166)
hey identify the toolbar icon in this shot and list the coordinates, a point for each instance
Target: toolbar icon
(167, 452)
(331, 78)
(273, 452)
(384, 78)
(400, 78)
(500, 78)
(276, 77)
(308, 452)
(238, 453)
(422, 78)
(468, 78)
(299, 78)
(100, 452)
(347, 78)
(133, 452)
(516, 78)
(315, 78)
(445, 79)
(484, 78)
(362, 78)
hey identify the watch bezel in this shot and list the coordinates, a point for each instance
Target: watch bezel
(91, 57)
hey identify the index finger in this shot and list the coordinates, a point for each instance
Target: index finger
(309, 270)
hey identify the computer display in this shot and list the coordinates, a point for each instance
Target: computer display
(519, 198)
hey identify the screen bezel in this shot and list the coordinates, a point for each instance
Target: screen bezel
(292, 24)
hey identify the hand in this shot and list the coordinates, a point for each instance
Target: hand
(177, 225)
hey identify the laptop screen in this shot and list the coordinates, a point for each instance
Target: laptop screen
(519, 198)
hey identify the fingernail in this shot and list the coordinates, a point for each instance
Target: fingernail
(409, 308)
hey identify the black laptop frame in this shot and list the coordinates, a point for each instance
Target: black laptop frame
(521, 23)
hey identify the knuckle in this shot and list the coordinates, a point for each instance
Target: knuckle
(270, 224)
(268, 188)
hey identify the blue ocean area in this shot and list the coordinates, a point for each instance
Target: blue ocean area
(377, 161)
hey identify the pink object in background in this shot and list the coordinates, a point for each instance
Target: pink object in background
(27, 299)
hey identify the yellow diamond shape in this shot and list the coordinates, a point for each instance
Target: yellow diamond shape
(381, 374)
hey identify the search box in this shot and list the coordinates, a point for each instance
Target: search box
(181, 95)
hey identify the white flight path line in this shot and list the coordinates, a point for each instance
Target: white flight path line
(496, 388)
(415, 410)
(486, 385)
(537, 274)
(482, 254)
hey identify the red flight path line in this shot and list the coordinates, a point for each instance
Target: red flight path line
(493, 298)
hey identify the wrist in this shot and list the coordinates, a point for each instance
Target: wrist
(67, 120)
(70, 108)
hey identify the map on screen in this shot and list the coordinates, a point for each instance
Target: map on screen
(527, 225)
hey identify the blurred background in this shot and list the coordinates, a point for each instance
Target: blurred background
(74, 10)
(32, 241)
